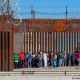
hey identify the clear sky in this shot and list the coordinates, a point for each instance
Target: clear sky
(49, 6)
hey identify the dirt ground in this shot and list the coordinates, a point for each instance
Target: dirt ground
(74, 68)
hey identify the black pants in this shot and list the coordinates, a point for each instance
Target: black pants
(16, 64)
(36, 63)
(76, 62)
(21, 63)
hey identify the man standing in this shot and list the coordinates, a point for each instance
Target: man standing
(22, 59)
(29, 57)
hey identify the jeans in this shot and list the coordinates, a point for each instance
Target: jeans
(21, 63)
(52, 63)
(60, 62)
(29, 62)
(79, 62)
(40, 63)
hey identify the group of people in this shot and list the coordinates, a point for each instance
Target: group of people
(43, 59)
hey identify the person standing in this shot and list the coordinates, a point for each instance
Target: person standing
(65, 58)
(75, 59)
(29, 58)
(59, 59)
(39, 59)
(36, 60)
(45, 59)
(69, 57)
(33, 59)
(22, 59)
(16, 60)
(52, 58)
(72, 59)
(78, 57)
(55, 60)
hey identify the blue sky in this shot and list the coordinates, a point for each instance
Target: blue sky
(49, 6)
